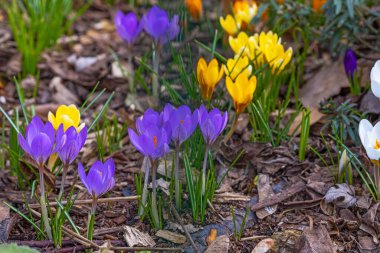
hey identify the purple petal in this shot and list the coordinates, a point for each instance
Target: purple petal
(83, 177)
(41, 148)
(23, 144)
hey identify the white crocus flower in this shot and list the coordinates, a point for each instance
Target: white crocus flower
(375, 79)
(370, 138)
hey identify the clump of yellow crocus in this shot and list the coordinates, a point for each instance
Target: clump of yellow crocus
(66, 115)
(208, 76)
(195, 8)
(262, 48)
(238, 65)
(230, 24)
(245, 10)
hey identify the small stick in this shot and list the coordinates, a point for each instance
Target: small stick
(150, 249)
(253, 238)
(89, 201)
(183, 227)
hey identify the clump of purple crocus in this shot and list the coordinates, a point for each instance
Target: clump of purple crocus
(162, 29)
(38, 144)
(212, 125)
(128, 28)
(350, 63)
(152, 140)
(182, 123)
(68, 145)
(98, 181)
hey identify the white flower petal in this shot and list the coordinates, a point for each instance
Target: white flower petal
(373, 154)
(365, 127)
(375, 79)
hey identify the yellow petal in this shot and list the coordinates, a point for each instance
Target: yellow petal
(68, 116)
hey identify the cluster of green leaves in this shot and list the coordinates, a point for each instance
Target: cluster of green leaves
(37, 24)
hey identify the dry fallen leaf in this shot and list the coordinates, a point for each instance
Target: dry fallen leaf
(341, 195)
(326, 83)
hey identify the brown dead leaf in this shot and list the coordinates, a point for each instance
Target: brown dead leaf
(341, 195)
(61, 94)
(5, 222)
(212, 236)
(328, 82)
(315, 240)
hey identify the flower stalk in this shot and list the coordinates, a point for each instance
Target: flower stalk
(156, 64)
(131, 74)
(232, 129)
(145, 189)
(204, 170)
(63, 181)
(91, 218)
(44, 212)
(154, 194)
(176, 176)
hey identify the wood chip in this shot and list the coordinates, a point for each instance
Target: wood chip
(5, 222)
(281, 196)
(264, 246)
(220, 245)
(265, 191)
(134, 237)
(171, 236)
(212, 236)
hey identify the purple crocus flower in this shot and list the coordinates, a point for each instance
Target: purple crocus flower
(211, 123)
(38, 141)
(181, 121)
(157, 24)
(153, 136)
(127, 26)
(100, 178)
(350, 63)
(69, 143)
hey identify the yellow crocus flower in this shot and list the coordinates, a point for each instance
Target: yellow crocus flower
(195, 8)
(66, 115)
(277, 57)
(241, 44)
(245, 11)
(239, 64)
(230, 24)
(241, 91)
(208, 76)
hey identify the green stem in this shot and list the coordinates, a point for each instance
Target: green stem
(44, 212)
(145, 189)
(131, 74)
(156, 64)
(176, 177)
(63, 181)
(232, 129)
(204, 170)
(91, 219)
(154, 196)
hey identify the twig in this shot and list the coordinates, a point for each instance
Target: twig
(80, 239)
(183, 227)
(128, 249)
(255, 237)
(89, 201)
